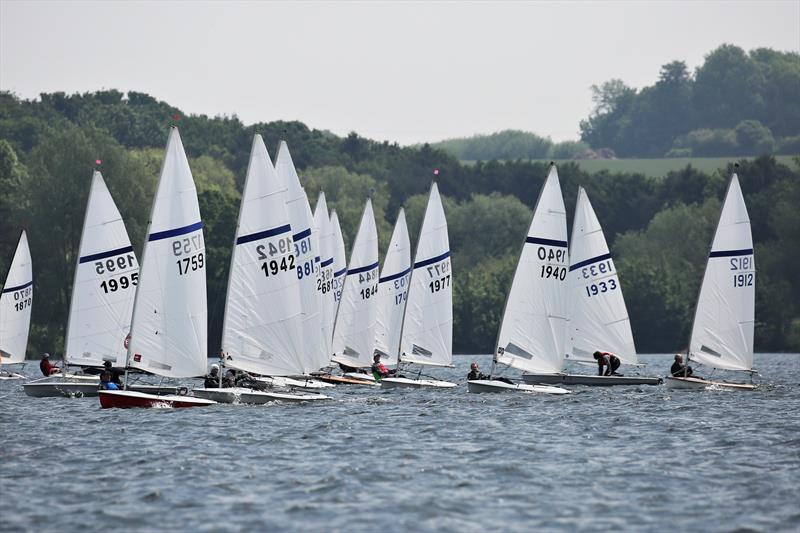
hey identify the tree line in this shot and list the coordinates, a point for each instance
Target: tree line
(658, 229)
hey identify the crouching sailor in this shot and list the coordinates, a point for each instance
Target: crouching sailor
(379, 370)
(607, 361)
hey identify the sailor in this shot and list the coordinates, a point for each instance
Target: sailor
(212, 379)
(609, 361)
(678, 369)
(109, 378)
(47, 368)
(475, 372)
(379, 370)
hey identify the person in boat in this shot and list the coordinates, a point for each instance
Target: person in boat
(212, 379)
(379, 370)
(47, 368)
(475, 372)
(109, 378)
(607, 363)
(680, 370)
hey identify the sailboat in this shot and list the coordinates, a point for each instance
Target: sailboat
(393, 293)
(427, 331)
(533, 329)
(334, 298)
(325, 278)
(262, 325)
(15, 309)
(169, 325)
(722, 333)
(598, 318)
(103, 288)
(354, 330)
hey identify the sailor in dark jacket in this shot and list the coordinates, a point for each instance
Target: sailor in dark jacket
(475, 372)
(678, 369)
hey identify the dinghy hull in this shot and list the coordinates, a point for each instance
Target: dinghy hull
(493, 386)
(4, 376)
(592, 381)
(242, 395)
(699, 384)
(295, 383)
(71, 386)
(341, 380)
(123, 399)
(406, 383)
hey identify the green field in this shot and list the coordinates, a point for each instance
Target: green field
(659, 167)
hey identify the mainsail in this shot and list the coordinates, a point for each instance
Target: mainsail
(105, 284)
(262, 321)
(169, 329)
(15, 305)
(722, 334)
(393, 292)
(305, 242)
(534, 326)
(354, 332)
(599, 318)
(339, 264)
(427, 336)
(325, 280)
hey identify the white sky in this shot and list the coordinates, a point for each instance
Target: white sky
(406, 72)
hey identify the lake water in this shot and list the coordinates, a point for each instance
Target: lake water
(637, 458)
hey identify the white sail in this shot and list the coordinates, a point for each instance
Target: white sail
(393, 292)
(599, 318)
(325, 281)
(15, 305)
(169, 328)
(104, 287)
(262, 311)
(339, 262)
(301, 219)
(427, 336)
(722, 334)
(354, 331)
(534, 326)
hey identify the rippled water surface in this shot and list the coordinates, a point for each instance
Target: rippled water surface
(643, 458)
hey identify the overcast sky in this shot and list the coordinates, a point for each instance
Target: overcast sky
(406, 72)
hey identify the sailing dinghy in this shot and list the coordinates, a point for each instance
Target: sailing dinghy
(393, 293)
(598, 318)
(15, 309)
(534, 324)
(169, 324)
(427, 331)
(722, 333)
(263, 321)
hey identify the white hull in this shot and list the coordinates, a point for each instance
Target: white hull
(698, 384)
(359, 375)
(250, 396)
(486, 385)
(71, 385)
(4, 376)
(406, 383)
(310, 383)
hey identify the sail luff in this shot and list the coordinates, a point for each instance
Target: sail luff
(15, 305)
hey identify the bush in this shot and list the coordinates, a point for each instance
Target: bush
(788, 145)
(754, 138)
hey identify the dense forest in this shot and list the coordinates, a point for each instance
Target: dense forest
(734, 104)
(659, 229)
